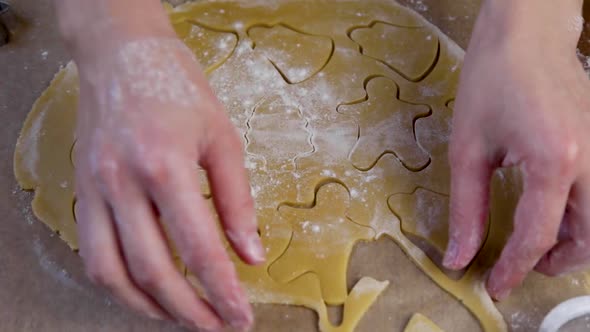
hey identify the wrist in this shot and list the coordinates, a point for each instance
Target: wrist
(530, 24)
(91, 29)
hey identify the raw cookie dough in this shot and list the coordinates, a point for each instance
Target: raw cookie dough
(421, 323)
(385, 126)
(423, 213)
(320, 233)
(339, 118)
(410, 52)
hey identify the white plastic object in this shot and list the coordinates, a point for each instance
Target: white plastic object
(564, 312)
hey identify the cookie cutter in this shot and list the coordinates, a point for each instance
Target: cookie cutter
(565, 312)
(8, 22)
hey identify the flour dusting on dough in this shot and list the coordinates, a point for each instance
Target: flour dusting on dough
(522, 321)
(29, 146)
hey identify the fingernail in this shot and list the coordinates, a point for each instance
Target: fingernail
(497, 293)
(255, 249)
(451, 255)
(250, 243)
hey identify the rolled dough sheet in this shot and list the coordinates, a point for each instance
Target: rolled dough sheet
(344, 108)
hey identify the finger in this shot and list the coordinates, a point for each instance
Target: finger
(232, 195)
(536, 226)
(566, 257)
(470, 186)
(571, 253)
(149, 259)
(194, 232)
(102, 257)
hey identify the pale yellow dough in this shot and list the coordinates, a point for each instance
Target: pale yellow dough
(421, 323)
(344, 108)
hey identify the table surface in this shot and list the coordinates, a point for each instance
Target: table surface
(42, 283)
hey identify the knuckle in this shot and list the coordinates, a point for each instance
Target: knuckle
(246, 203)
(211, 276)
(195, 258)
(156, 166)
(107, 170)
(231, 138)
(558, 156)
(102, 274)
(568, 155)
(148, 276)
(539, 244)
(105, 166)
(199, 260)
(464, 158)
(456, 156)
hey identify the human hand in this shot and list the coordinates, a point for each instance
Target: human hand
(146, 118)
(523, 101)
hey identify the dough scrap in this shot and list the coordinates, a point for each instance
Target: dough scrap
(259, 79)
(421, 323)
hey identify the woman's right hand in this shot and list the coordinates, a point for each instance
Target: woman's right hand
(146, 118)
(523, 102)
